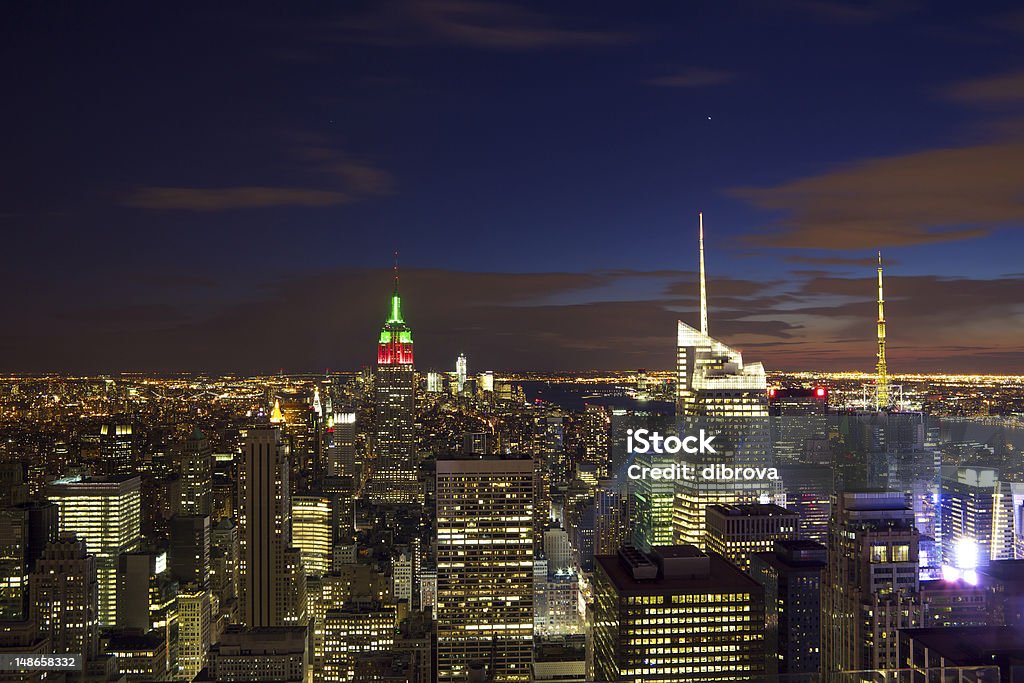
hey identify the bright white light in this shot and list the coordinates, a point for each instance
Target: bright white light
(971, 577)
(950, 573)
(966, 553)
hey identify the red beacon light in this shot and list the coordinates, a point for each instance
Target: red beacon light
(820, 392)
(771, 392)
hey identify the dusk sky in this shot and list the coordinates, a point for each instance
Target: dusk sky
(221, 187)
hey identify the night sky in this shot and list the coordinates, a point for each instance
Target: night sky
(216, 187)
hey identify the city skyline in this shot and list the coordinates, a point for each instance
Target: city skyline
(528, 215)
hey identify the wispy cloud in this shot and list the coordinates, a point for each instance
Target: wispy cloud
(848, 11)
(937, 195)
(1001, 89)
(345, 180)
(473, 23)
(832, 260)
(692, 77)
(221, 198)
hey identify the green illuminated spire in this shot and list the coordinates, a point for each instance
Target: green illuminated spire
(396, 299)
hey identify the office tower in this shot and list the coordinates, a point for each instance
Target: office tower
(1007, 519)
(402, 578)
(580, 520)
(196, 476)
(718, 392)
(676, 614)
(799, 424)
(619, 456)
(428, 588)
(461, 372)
(105, 513)
(25, 531)
(792, 575)
(341, 492)
(265, 531)
(435, 383)
(13, 488)
(341, 445)
(871, 581)
(189, 553)
(479, 443)
(557, 550)
(809, 494)
(139, 656)
(943, 603)
(556, 599)
(609, 518)
(117, 448)
(354, 630)
(141, 577)
(269, 654)
(593, 430)
(195, 624)
(653, 503)
(737, 531)
(966, 508)
(225, 560)
(312, 532)
(560, 659)
(486, 382)
(484, 566)
(64, 597)
(394, 470)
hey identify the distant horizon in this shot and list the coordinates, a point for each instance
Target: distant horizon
(499, 374)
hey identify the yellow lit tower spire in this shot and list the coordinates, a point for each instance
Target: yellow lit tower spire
(882, 381)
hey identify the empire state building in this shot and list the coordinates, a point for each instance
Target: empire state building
(394, 468)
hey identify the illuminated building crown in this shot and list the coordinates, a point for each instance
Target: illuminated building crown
(395, 344)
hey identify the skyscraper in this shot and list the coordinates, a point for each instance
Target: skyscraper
(194, 630)
(105, 513)
(64, 597)
(189, 554)
(737, 531)
(265, 530)
(461, 373)
(312, 532)
(716, 391)
(394, 469)
(676, 614)
(871, 581)
(196, 476)
(792, 578)
(484, 605)
(966, 501)
(25, 530)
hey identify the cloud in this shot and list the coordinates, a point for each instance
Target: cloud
(858, 12)
(693, 77)
(1002, 89)
(833, 260)
(506, 321)
(471, 23)
(221, 198)
(348, 181)
(938, 195)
